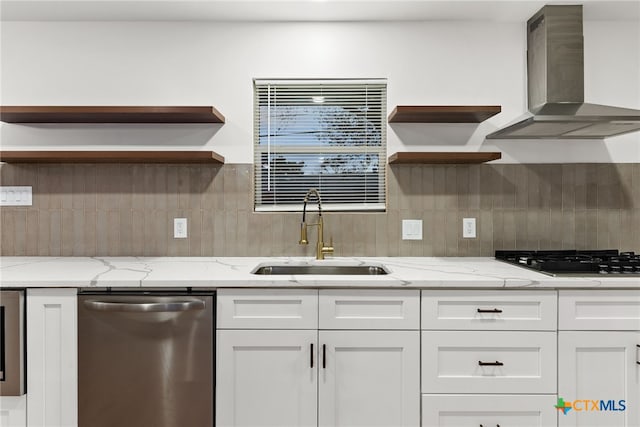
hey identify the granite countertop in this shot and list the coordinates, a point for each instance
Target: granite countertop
(215, 272)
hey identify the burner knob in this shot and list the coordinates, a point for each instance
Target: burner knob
(627, 269)
(603, 269)
(615, 269)
(627, 254)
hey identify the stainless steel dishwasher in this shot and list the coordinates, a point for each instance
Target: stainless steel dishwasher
(146, 359)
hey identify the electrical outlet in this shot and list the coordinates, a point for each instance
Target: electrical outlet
(15, 196)
(411, 229)
(180, 228)
(469, 228)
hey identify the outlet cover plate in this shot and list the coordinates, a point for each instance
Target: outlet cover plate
(468, 228)
(411, 229)
(16, 196)
(180, 228)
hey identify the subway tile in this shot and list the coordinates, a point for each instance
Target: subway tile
(439, 234)
(439, 189)
(450, 186)
(113, 225)
(65, 172)
(44, 233)
(393, 233)
(508, 178)
(428, 188)
(555, 229)
(568, 190)
(568, 230)
(625, 176)
(580, 228)
(496, 184)
(32, 217)
(628, 232)
(635, 185)
(486, 187)
(474, 186)
(579, 189)
(219, 246)
(55, 230)
(544, 225)
(77, 232)
(381, 239)
(521, 187)
(553, 196)
(485, 234)
(462, 183)
(591, 231)
(8, 234)
(393, 187)
(614, 227)
(102, 233)
(138, 232)
(90, 233)
(452, 232)
(67, 232)
(125, 233)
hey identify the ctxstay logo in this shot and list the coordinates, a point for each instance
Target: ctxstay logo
(590, 405)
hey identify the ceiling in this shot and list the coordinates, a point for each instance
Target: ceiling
(301, 10)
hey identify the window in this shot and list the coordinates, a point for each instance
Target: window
(329, 135)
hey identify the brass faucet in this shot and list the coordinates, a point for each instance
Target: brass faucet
(321, 249)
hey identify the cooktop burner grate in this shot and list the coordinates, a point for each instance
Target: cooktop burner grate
(609, 261)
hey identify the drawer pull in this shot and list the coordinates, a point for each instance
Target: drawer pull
(489, 310)
(638, 360)
(311, 355)
(496, 363)
(324, 356)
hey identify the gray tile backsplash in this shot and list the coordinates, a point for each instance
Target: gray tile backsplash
(128, 209)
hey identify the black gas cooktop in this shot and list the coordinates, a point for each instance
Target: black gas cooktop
(575, 262)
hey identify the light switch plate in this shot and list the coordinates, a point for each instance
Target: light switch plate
(468, 228)
(180, 228)
(15, 196)
(411, 229)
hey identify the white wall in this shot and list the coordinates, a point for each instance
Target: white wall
(189, 63)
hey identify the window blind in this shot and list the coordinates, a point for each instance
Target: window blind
(329, 135)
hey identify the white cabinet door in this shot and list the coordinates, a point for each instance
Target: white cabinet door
(369, 378)
(599, 366)
(488, 411)
(52, 357)
(266, 378)
(13, 411)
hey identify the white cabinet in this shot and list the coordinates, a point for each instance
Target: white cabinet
(488, 362)
(599, 358)
(369, 378)
(266, 378)
(599, 366)
(281, 362)
(13, 411)
(499, 345)
(488, 411)
(52, 372)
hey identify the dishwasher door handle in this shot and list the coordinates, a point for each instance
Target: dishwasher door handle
(145, 307)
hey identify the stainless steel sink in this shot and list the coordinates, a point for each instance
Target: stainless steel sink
(347, 270)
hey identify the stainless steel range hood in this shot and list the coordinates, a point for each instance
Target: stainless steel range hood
(555, 71)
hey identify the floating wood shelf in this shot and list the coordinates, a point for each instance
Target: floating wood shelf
(94, 114)
(111, 157)
(436, 158)
(443, 113)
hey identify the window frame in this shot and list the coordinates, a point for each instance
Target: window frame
(270, 149)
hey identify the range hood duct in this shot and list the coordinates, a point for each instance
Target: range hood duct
(555, 71)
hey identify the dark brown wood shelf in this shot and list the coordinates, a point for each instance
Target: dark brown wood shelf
(103, 114)
(111, 157)
(438, 157)
(443, 113)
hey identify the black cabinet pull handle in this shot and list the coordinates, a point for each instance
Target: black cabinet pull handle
(489, 310)
(496, 363)
(638, 361)
(324, 356)
(312, 355)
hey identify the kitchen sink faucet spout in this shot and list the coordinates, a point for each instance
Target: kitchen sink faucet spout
(321, 249)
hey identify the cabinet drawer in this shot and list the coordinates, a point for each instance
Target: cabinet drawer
(488, 411)
(489, 310)
(369, 309)
(488, 362)
(599, 310)
(267, 309)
